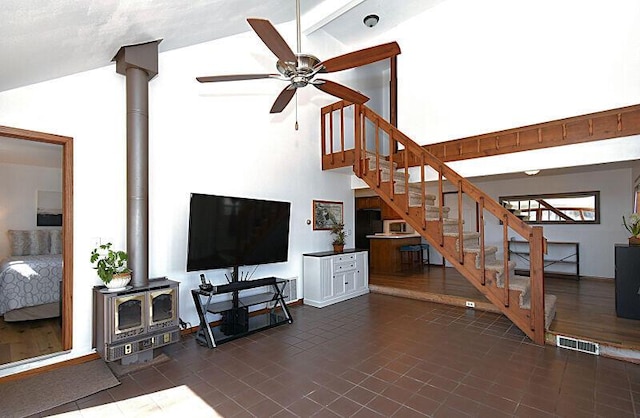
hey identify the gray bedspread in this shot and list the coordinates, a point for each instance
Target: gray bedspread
(29, 281)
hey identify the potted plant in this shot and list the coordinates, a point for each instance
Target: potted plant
(111, 266)
(337, 230)
(633, 226)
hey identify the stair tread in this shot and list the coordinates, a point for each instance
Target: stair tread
(499, 265)
(465, 235)
(476, 250)
(518, 283)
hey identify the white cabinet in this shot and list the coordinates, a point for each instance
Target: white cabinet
(331, 277)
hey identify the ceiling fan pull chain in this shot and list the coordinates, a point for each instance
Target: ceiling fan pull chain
(296, 125)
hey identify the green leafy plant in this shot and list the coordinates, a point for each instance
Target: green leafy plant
(337, 230)
(109, 262)
(633, 225)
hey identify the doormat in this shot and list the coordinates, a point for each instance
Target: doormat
(35, 394)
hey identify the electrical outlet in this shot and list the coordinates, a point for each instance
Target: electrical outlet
(127, 349)
(470, 304)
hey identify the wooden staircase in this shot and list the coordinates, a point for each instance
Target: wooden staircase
(420, 203)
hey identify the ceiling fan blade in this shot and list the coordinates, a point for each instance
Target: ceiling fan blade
(340, 91)
(360, 58)
(272, 39)
(283, 99)
(235, 77)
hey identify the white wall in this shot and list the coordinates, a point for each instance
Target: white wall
(597, 240)
(217, 139)
(19, 185)
(470, 67)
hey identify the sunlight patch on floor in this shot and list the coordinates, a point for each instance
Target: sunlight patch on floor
(168, 402)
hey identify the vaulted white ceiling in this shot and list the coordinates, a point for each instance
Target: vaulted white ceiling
(46, 39)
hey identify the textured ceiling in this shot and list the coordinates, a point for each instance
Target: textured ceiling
(46, 39)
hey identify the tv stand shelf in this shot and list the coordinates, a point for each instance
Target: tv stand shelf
(237, 321)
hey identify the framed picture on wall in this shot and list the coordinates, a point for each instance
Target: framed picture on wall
(326, 214)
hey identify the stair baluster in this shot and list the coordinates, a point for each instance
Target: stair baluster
(483, 271)
(505, 258)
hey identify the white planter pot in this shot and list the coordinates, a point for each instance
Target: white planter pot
(119, 281)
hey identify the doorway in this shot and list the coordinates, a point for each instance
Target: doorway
(66, 290)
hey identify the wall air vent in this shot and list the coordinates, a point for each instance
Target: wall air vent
(291, 290)
(578, 345)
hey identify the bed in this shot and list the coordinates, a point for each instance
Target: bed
(31, 278)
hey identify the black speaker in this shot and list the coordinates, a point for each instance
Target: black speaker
(235, 321)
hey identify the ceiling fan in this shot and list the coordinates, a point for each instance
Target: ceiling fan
(299, 69)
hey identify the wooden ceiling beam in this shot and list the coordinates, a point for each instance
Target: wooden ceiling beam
(614, 123)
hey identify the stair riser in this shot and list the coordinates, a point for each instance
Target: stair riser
(500, 274)
(415, 200)
(398, 176)
(433, 213)
(450, 227)
(384, 164)
(414, 188)
(489, 258)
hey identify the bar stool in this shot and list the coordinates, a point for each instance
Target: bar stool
(411, 255)
(425, 260)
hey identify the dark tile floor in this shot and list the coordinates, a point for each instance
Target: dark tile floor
(373, 356)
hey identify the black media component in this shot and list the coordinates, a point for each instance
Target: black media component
(627, 262)
(235, 321)
(232, 232)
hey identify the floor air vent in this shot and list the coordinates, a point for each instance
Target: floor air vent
(577, 345)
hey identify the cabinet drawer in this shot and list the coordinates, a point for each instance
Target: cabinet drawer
(344, 258)
(345, 266)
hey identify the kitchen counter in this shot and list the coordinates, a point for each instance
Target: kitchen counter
(385, 251)
(392, 235)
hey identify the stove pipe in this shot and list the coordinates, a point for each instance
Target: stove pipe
(139, 63)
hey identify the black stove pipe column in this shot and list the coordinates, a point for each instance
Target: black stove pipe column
(139, 63)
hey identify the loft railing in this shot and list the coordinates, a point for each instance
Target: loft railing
(371, 137)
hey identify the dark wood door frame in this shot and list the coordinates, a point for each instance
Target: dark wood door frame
(67, 219)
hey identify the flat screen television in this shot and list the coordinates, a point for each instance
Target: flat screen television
(229, 231)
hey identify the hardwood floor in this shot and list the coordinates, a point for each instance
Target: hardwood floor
(27, 339)
(585, 308)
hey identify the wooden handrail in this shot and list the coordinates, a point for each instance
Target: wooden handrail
(413, 154)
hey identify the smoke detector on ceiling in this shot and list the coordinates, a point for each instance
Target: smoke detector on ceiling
(371, 20)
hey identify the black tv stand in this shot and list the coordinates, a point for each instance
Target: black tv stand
(237, 320)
